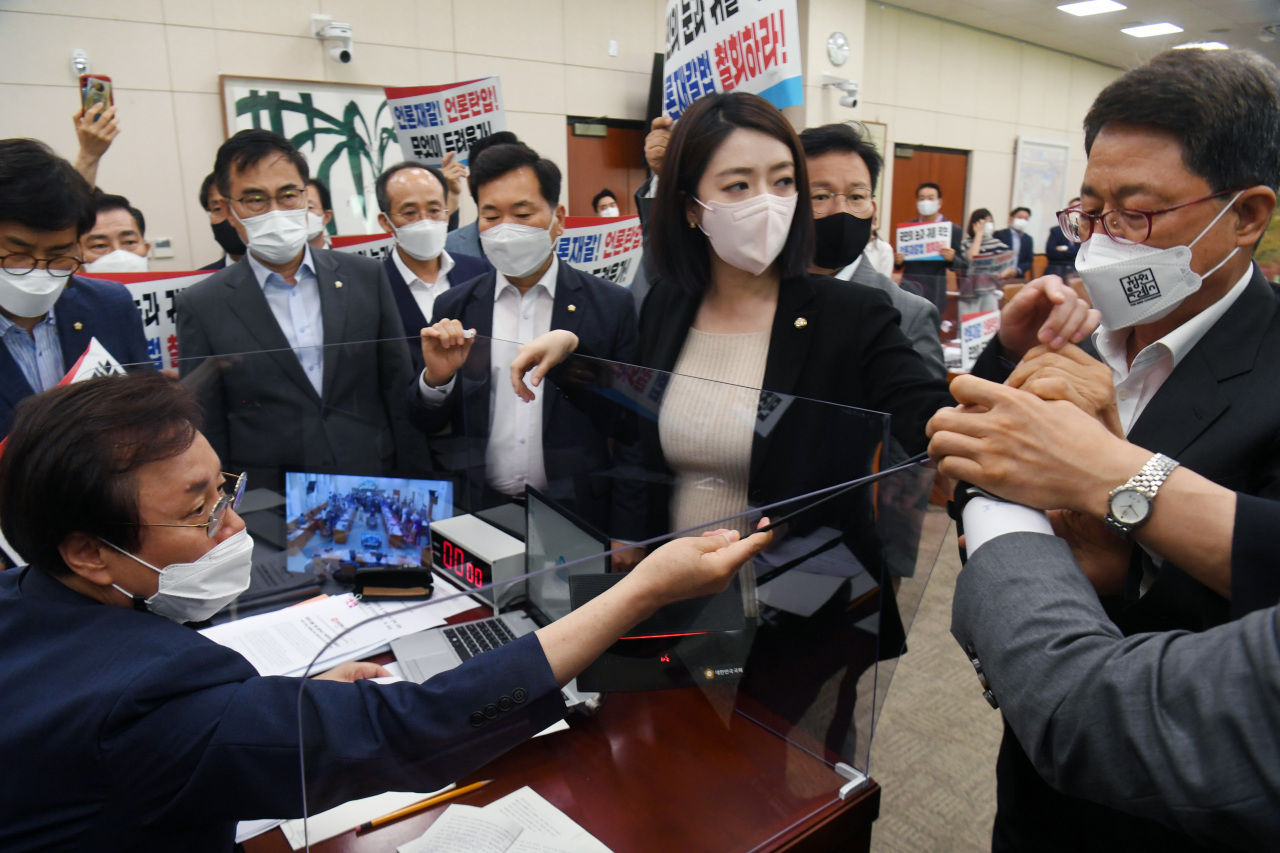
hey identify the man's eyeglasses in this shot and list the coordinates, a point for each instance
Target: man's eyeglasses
(62, 267)
(219, 511)
(1122, 225)
(829, 202)
(285, 200)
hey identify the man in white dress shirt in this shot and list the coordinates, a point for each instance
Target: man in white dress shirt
(549, 443)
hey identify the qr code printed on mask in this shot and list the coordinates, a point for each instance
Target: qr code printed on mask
(1140, 287)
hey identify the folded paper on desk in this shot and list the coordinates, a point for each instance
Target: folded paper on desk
(521, 822)
(284, 642)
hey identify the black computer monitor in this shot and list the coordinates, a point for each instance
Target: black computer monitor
(555, 536)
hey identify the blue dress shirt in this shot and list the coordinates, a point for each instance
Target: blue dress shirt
(39, 354)
(296, 308)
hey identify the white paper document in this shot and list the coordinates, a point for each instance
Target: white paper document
(284, 642)
(521, 822)
(348, 816)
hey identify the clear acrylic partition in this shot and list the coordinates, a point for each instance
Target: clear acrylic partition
(745, 740)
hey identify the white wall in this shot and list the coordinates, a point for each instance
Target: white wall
(931, 82)
(164, 57)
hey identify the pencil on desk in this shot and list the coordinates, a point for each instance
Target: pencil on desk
(452, 793)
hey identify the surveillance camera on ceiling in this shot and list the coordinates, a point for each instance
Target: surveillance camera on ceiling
(326, 29)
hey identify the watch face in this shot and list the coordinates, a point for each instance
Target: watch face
(1130, 506)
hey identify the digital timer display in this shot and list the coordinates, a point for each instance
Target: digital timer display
(460, 563)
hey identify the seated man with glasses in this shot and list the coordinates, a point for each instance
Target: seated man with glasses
(124, 730)
(48, 314)
(279, 394)
(1180, 185)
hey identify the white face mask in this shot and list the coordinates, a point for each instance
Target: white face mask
(1130, 283)
(516, 250)
(928, 206)
(988, 228)
(315, 225)
(30, 295)
(277, 236)
(749, 234)
(121, 260)
(608, 211)
(192, 592)
(1019, 225)
(423, 239)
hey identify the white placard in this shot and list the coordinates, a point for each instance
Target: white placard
(431, 121)
(153, 293)
(728, 45)
(606, 247)
(975, 331)
(376, 246)
(924, 241)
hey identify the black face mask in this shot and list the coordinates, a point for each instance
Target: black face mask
(840, 239)
(228, 239)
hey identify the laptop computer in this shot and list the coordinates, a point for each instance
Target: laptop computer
(553, 536)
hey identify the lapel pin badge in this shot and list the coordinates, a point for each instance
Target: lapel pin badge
(338, 284)
(801, 322)
(573, 308)
(78, 326)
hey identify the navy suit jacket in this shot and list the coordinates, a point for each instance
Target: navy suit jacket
(88, 308)
(464, 269)
(1026, 252)
(126, 731)
(576, 449)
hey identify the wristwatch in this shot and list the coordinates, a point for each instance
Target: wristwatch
(1129, 506)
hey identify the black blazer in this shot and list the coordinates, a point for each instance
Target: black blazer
(1218, 414)
(576, 452)
(87, 308)
(261, 411)
(1026, 252)
(464, 269)
(220, 263)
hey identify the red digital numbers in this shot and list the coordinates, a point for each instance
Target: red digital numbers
(455, 560)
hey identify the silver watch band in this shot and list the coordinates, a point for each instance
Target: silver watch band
(1152, 475)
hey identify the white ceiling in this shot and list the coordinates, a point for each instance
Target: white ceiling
(1236, 23)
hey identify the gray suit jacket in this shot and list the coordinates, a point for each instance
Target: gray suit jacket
(465, 241)
(1182, 728)
(261, 412)
(920, 319)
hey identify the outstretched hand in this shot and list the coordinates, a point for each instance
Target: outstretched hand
(1046, 311)
(540, 355)
(445, 347)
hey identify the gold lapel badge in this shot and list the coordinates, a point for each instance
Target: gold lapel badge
(573, 308)
(78, 326)
(801, 322)
(338, 284)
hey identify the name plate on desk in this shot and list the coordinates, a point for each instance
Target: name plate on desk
(690, 642)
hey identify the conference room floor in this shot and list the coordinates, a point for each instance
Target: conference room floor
(934, 751)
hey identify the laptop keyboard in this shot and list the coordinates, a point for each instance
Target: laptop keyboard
(472, 638)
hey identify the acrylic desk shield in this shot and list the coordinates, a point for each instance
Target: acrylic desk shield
(744, 752)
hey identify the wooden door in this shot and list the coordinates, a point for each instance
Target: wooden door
(614, 161)
(913, 165)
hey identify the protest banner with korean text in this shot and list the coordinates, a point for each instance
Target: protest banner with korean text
(376, 246)
(153, 293)
(923, 241)
(730, 45)
(991, 263)
(432, 121)
(976, 330)
(606, 247)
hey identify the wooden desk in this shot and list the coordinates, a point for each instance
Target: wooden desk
(661, 771)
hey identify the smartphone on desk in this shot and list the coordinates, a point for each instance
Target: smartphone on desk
(95, 89)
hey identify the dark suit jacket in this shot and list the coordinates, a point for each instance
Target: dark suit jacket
(464, 269)
(88, 308)
(261, 412)
(1060, 252)
(1217, 414)
(465, 241)
(146, 736)
(1181, 728)
(1026, 252)
(576, 451)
